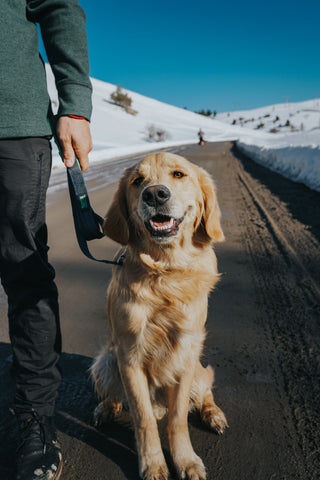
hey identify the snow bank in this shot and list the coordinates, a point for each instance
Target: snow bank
(298, 163)
(294, 150)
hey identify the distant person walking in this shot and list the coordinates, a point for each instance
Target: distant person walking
(201, 137)
(25, 164)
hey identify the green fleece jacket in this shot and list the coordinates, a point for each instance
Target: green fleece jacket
(24, 100)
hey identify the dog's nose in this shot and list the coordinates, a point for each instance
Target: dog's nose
(156, 195)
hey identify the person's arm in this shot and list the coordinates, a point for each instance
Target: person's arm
(62, 24)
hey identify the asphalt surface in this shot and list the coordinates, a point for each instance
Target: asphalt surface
(263, 331)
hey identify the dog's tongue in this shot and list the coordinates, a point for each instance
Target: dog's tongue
(161, 223)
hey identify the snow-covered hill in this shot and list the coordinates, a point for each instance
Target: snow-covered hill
(294, 150)
(280, 118)
(292, 146)
(116, 133)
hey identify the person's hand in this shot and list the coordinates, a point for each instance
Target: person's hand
(75, 139)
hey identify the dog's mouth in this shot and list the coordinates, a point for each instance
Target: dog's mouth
(161, 226)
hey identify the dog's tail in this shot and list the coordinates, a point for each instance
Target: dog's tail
(106, 376)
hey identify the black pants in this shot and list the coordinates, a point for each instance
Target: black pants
(26, 275)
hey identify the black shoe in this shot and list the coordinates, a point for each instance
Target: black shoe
(39, 455)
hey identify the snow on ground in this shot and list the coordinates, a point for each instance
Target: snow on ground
(293, 151)
(116, 133)
(292, 147)
(296, 158)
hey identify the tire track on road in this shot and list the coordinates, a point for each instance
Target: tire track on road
(290, 295)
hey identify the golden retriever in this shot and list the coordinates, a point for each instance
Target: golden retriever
(166, 214)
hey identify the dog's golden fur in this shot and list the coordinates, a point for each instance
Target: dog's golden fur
(165, 212)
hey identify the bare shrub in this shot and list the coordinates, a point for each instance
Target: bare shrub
(120, 98)
(151, 130)
(157, 134)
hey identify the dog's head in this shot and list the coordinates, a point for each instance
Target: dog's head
(162, 198)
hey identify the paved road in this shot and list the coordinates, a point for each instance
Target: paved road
(263, 332)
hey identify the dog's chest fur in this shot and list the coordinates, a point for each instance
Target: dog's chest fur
(161, 333)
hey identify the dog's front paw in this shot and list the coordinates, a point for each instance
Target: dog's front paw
(192, 469)
(156, 472)
(215, 419)
(106, 413)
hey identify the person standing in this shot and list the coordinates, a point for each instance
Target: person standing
(25, 164)
(201, 137)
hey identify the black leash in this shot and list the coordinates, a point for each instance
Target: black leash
(88, 224)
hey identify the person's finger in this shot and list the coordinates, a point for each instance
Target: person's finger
(82, 151)
(84, 161)
(68, 154)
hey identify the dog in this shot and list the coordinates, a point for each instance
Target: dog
(166, 215)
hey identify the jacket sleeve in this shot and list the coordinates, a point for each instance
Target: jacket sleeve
(62, 24)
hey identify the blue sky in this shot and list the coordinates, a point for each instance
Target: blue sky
(219, 55)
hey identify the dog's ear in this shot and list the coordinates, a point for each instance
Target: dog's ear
(209, 226)
(116, 220)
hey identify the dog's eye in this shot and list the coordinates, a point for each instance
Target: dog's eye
(137, 181)
(178, 174)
